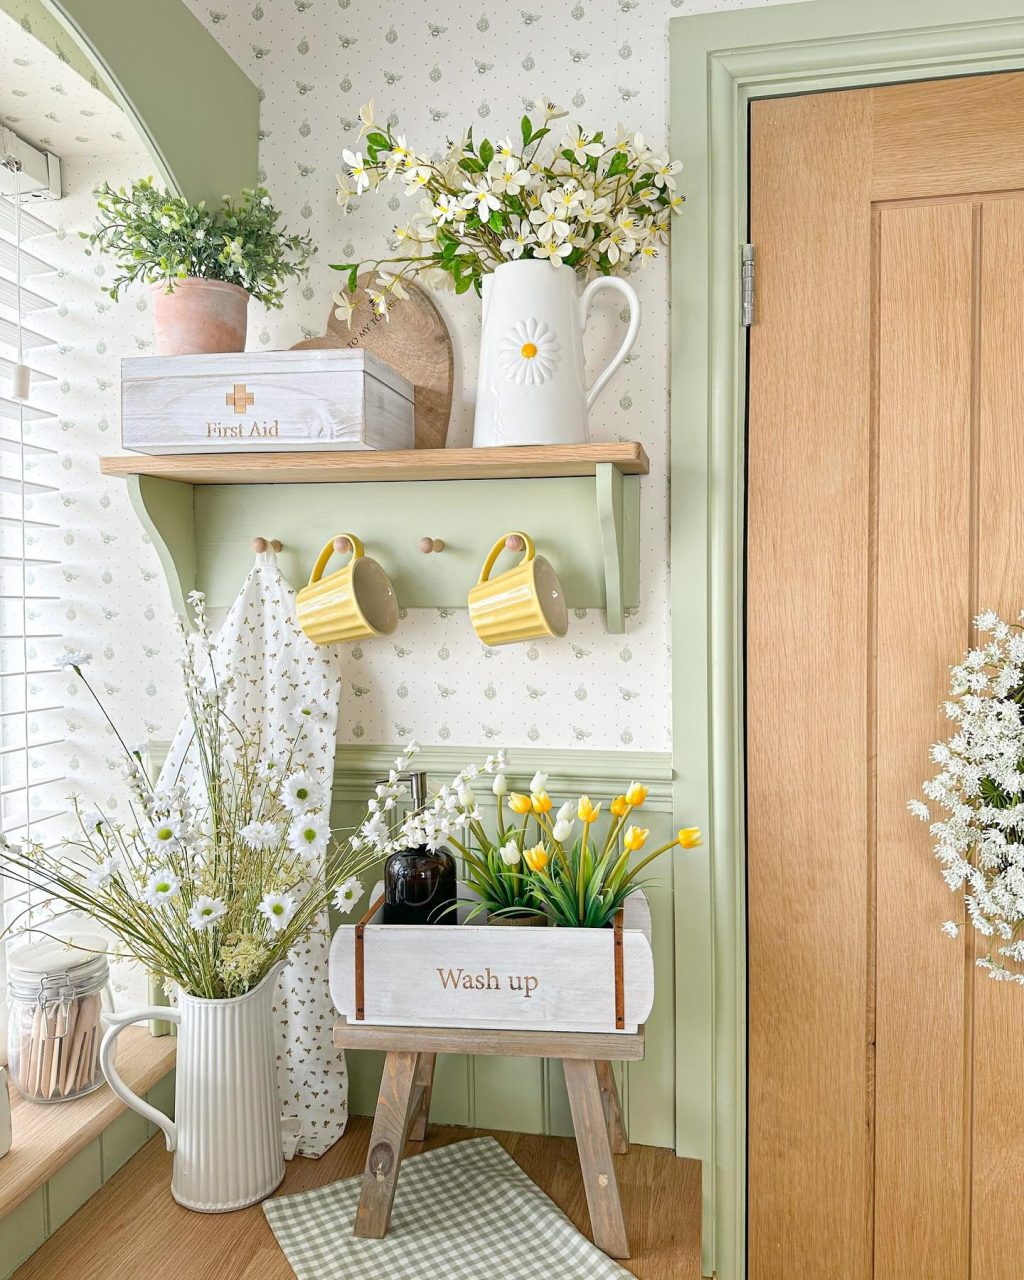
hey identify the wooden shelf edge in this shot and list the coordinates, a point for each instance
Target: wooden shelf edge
(525, 462)
(47, 1136)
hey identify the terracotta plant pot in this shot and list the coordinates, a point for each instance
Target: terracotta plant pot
(521, 920)
(199, 317)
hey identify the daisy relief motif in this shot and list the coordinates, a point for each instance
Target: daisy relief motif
(529, 355)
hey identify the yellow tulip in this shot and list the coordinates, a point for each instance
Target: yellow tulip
(536, 858)
(541, 802)
(519, 803)
(636, 794)
(619, 806)
(690, 838)
(635, 837)
(587, 812)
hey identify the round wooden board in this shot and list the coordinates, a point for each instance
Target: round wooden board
(414, 341)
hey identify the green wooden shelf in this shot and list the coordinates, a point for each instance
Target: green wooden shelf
(580, 503)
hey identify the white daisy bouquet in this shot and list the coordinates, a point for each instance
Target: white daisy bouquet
(980, 787)
(598, 204)
(210, 886)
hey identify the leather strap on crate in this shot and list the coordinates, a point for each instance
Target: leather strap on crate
(360, 971)
(620, 990)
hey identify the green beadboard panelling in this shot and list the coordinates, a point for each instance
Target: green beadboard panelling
(161, 1096)
(508, 1093)
(73, 1184)
(22, 1232)
(120, 1141)
(719, 62)
(196, 109)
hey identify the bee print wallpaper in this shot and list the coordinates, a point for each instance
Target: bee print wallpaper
(434, 69)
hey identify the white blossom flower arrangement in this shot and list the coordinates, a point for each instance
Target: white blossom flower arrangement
(980, 787)
(599, 205)
(208, 887)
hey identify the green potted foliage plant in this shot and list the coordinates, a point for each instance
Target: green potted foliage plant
(202, 265)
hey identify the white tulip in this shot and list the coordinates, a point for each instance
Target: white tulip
(539, 783)
(510, 854)
(562, 830)
(567, 811)
(500, 784)
(466, 797)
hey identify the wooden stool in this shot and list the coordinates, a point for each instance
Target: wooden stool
(404, 1103)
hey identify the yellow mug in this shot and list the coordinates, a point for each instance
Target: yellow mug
(356, 602)
(524, 603)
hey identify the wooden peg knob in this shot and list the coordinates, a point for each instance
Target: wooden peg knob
(259, 545)
(427, 545)
(514, 543)
(276, 543)
(341, 545)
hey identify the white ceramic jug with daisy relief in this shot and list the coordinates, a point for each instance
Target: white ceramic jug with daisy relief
(226, 1132)
(532, 385)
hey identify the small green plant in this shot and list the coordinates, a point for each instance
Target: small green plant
(158, 238)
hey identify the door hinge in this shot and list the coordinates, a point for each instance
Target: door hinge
(747, 285)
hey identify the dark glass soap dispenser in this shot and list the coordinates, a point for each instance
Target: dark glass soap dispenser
(419, 883)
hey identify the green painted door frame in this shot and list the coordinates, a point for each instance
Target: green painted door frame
(719, 63)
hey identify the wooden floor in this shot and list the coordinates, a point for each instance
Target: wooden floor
(132, 1229)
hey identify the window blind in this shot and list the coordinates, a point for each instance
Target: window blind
(31, 712)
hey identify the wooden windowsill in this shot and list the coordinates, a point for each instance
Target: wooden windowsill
(47, 1136)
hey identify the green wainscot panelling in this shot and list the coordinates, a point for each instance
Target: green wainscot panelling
(22, 1232)
(73, 1184)
(528, 1095)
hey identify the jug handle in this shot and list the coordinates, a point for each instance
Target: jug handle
(632, 329)
(328, 551)
(116, 1024)
(499, 547)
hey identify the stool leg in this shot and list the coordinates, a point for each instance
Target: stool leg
(421, 1098)
(387, 1142)
(588, 1119)
(612, 1108)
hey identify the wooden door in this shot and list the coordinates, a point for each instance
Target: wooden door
(886, 474)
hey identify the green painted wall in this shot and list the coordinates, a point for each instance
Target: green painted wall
(196, 109)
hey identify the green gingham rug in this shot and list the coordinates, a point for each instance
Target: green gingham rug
(464, 1212)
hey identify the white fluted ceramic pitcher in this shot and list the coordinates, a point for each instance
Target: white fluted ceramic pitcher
(532, 386)
(226, 1132)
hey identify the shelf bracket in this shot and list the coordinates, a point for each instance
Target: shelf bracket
(166, 511)
(611, 518)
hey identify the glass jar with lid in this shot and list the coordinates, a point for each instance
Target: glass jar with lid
(58, 991)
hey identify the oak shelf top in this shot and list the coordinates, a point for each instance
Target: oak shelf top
(46, 1136)
(336, 467)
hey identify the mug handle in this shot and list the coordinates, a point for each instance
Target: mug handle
(116, 1023)
(499, 547)
(618, 285)
(328, 551)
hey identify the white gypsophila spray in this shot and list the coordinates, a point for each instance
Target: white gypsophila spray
(980, 787)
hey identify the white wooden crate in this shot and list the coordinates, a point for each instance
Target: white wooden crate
(479, 975)
(256, 401)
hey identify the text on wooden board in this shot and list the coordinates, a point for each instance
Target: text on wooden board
(462, 979)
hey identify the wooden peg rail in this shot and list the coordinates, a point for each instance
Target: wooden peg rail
(579, 503)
